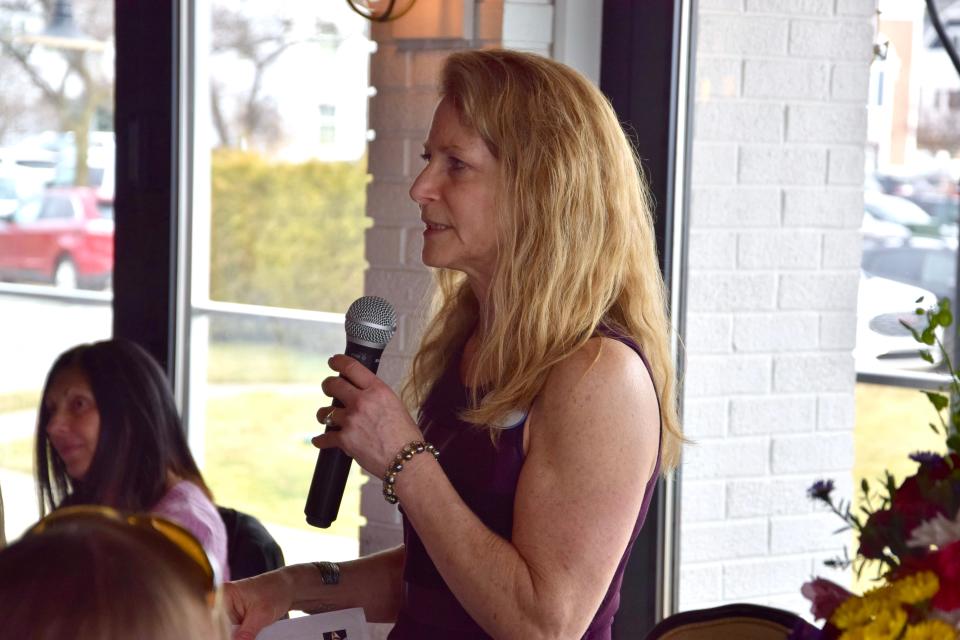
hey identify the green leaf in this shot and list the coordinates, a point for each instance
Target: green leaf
(953, 442)
(939, 401)
(934, 428)
(889, 481)
(925, 355)
(913, 332)
(945, 318)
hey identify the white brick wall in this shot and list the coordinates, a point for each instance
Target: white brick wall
(774, 254)
(775, 332)
(705, 417)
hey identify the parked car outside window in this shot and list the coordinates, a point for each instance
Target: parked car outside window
(8, 196)
(64, 237)
(927, 263)
(900, 211)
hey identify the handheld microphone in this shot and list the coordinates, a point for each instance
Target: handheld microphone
(370, 323)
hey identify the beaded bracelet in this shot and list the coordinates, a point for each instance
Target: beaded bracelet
(395, 467)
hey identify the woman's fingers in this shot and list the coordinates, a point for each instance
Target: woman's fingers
(325, 415)
(341, 389)
(352, 370)
(327, 440)
(245, 610)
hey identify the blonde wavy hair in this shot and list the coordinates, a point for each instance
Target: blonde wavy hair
(575, 240)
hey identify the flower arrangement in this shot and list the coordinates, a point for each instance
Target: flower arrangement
(909, 533)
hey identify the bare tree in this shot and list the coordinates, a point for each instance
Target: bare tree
(76, 89)
(250, 46)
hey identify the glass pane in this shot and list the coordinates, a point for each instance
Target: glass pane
(911, 204)
(909, 244)
(56, 222)
(278, 231)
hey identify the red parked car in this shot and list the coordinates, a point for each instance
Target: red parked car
(64, 237)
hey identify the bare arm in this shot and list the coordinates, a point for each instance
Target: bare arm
(594, 435)
(371, 582)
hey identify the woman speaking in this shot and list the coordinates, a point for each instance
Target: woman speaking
(543, 388)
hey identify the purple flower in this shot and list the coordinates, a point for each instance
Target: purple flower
(926, 457)
(821, 490)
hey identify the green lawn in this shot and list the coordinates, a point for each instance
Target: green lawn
(891, 424)
(258, 453)
(234, 363)
(259, 458)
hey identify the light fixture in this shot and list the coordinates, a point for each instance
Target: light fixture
(380, 10)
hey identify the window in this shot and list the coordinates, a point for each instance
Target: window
(914, 176)
(277, 220)
(57, 208)
(48, 96)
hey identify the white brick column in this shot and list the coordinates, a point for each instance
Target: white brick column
(774, 255)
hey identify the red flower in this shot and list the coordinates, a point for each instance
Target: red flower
(876, 533)
(916, 499)
(946, 564)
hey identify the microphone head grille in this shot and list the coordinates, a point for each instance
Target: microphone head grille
(371, 320)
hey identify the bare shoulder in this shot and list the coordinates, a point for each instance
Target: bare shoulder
(601, 369)
(602, 392)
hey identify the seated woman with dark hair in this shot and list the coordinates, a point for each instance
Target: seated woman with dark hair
(92, 573)
(109, 433)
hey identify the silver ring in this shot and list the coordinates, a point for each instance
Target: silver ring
(328, 419)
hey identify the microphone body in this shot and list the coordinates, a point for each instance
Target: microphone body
(370, 324)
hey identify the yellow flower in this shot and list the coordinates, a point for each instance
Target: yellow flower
(859, 610)
(930, 630)
(916, 588)
(885, 625)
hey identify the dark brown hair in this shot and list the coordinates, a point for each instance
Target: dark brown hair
(141, 437)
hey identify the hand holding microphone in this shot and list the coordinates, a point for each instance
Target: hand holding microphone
(370, 324)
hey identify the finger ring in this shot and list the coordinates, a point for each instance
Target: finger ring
(328, 420)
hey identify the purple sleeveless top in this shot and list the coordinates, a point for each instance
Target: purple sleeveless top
(486, 479)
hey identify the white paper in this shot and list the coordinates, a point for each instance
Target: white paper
(345, 624)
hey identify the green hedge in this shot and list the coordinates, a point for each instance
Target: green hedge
(288, 235)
